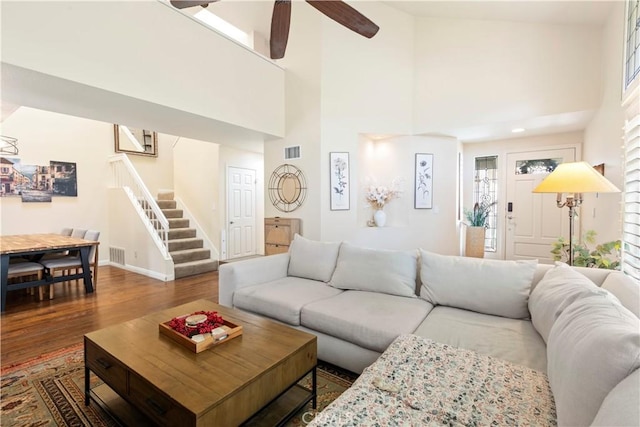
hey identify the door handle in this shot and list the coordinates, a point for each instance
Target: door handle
(230, 222)
(510, 217)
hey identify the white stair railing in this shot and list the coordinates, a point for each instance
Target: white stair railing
(124, 176)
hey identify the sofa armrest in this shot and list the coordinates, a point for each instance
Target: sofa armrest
(236, 275)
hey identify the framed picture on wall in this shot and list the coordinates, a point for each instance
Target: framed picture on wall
(339, 181)
(423, 194)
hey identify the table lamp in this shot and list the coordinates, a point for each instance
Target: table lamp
(574, 179)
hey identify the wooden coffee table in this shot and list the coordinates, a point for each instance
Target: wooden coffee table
(223, 386)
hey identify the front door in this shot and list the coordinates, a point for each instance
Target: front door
(533, 221)
(241, 212)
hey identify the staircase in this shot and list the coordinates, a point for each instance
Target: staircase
(187, 251)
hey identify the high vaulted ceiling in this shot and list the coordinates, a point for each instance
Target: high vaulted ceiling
(257, 16)
(536, 11)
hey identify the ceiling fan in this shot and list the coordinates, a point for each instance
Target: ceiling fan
(337, 10)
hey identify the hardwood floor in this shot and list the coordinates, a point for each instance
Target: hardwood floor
(29, 328)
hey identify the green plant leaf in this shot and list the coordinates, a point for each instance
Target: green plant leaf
(605, 255)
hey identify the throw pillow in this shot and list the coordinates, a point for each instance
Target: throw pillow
(559, 287)
(485, 286)
(376, 270)
(594, 344)
(311, 259)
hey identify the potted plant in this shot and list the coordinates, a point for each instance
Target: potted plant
(605, 255)
(477, 225)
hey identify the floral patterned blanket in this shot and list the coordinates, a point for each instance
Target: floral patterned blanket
(419, 382)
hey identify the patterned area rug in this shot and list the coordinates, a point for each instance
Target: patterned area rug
(49, 391)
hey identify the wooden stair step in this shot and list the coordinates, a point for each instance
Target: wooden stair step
(194, 267)
(189, 255)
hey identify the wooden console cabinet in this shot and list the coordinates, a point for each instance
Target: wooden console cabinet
(278, 234)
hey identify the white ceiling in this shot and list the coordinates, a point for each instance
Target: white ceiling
(257, 14)
(534, 11)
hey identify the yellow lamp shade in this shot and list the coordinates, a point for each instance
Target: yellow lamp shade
(577, 177)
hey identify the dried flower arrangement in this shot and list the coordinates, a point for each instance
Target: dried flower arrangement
(209, 322)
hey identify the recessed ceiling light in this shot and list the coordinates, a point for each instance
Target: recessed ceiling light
(517, 130)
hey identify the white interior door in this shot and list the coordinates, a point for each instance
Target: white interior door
(533, 221)
(241, 212)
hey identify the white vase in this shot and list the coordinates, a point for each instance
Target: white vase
(380, 218)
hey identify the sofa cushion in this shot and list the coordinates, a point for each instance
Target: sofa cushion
(282, 299)
(369, 319)
(376, 270)
(621, 407)
(594, 344)
(623, 287)
(514, 340)
(313, 260)
(486, 286)
(559, 287)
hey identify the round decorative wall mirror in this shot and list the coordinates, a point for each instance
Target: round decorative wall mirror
(287, 188)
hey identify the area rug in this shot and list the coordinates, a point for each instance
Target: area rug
(49, 391)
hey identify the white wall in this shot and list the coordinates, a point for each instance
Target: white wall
(603, 137)
(415, 76)
(501, 148)
(44, 136)
(196, 182)
(408, 228)
(422, 76)
(366, 89)
(174, 61)
(200, 173)
(195, 169)
(469, 73)
(303, 116)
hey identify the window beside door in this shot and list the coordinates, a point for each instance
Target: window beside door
(485, 190)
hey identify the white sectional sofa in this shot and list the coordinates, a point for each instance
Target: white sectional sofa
(578, 327)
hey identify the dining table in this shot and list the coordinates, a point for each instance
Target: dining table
(33, 247)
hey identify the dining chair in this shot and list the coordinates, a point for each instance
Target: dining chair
(67, 231)
(78, 233)
(73, 262)
(22, 270)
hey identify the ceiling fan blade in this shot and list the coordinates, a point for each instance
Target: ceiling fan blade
(344, 14)
(280, 22)
(183, 4)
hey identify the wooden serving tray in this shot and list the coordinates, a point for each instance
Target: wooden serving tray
(232, 329)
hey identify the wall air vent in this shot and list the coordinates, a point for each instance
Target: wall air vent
(292, 152)
(116, 255)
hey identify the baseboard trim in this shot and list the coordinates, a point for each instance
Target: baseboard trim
(143, 271)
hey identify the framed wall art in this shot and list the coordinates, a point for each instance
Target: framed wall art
(339, 181)
(423, 195)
